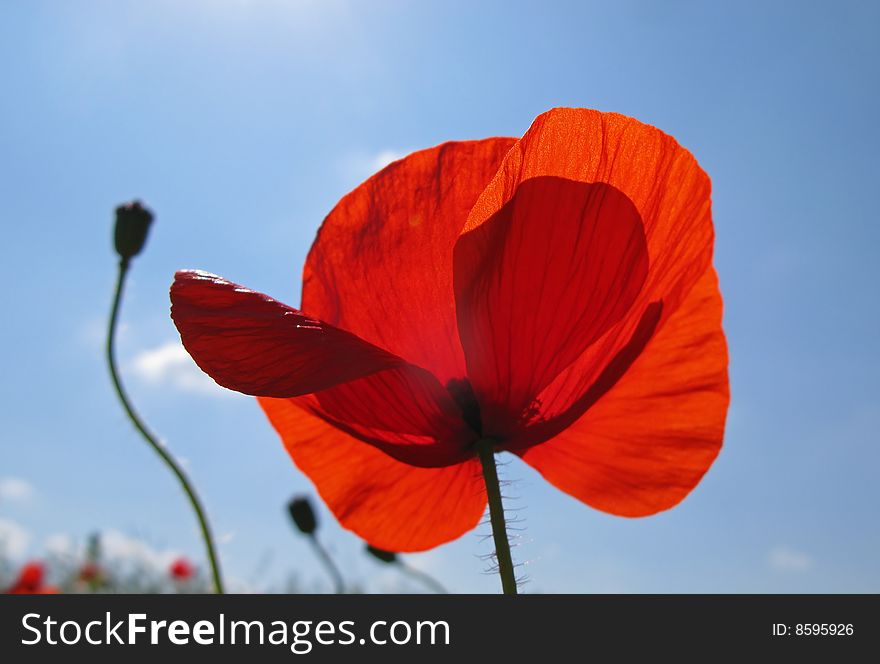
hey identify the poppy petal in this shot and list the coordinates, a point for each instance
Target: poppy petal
(662, 179)
(390, 504)
(670, 193)
(537, 284)
(248, 342)
(381, 266)
(649, 439)
(404, 412)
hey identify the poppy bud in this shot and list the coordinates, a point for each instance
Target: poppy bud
(384, 556)
(303, 515)
(132, 224)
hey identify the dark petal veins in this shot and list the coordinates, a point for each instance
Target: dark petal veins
(537, 284)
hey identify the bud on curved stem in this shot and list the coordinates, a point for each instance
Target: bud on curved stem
(303, 517)
(381, 554)
(132, 225)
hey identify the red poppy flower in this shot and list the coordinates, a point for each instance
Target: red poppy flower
(553, 293)
(181, 570)
(30, 581)
(89, 572)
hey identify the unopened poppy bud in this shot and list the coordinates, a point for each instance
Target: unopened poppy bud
(132, 225)
(381, 554)
(303, 515)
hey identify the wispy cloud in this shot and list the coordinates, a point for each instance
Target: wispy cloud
(124, 548)
(125, 553)
(63, 546)
(358, 166)
(14, 539)
(15, 489)
(385, 157)
(118, 549)
(170, 366)
(785, 559)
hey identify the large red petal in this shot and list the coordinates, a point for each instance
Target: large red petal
(649, 439)
(251, 343)
(670, 193)
(248, 342)
(381, 266)
(391, 505)
(662, 179)
(553, 270)
(403, 411)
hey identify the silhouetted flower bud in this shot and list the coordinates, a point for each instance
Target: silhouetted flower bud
(302, 514)
(132, 224)
(384, 556)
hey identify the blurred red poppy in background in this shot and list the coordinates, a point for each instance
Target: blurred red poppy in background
(30, 581)
(89, 572)
(553, 293)
(181, 570)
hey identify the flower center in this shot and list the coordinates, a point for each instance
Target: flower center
(462, 393)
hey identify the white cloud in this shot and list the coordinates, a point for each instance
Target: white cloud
(120, 550)
(785, 559)
(170, 365)
(125, 550)
(385, 157)
(14, 539)
(357, 166)
(15, 489)
(62, 546)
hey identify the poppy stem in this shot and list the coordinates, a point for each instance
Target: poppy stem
(151, 439)
(486, 450)
(338, 582)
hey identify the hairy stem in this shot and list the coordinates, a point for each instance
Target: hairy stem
(486, 450)
(151, 439)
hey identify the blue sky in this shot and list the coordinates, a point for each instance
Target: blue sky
(242, 123)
